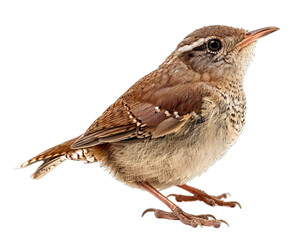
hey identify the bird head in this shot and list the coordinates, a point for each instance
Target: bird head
(220, 50)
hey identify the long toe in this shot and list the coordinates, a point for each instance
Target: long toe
(199, 195)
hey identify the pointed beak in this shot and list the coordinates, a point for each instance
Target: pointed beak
(253, 36)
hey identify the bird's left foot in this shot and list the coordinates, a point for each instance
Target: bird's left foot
(204, 197)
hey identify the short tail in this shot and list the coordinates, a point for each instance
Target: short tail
(54, 156)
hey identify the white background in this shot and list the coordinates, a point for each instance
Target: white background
(62, 63)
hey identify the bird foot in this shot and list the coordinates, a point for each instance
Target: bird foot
(188, 219)
(204, 197)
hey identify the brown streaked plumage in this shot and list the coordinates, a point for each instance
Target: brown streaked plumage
(174, 123)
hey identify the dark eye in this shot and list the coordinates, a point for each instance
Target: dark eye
(214, 45)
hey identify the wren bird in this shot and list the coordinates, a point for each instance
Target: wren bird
(172, 124)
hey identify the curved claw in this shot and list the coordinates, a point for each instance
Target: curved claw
(228, 194)
(237, 203)
(224, 195)
(223, 221)
(148, 210)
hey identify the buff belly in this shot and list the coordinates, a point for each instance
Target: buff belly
(174, 159)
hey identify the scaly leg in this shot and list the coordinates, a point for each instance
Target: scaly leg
(177, 213)
(203, 196)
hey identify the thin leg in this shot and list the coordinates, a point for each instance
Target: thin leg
(177, 213)
(203, 196)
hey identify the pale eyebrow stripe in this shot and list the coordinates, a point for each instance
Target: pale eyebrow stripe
(191, 46)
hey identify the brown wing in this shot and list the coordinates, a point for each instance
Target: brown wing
(144, 112)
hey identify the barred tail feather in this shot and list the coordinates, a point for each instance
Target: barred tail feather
(51, 158)
(47, 166)
(54, 156)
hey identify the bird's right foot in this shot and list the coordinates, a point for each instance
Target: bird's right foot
(188, 219)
